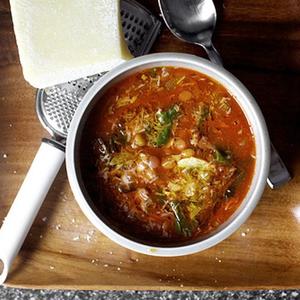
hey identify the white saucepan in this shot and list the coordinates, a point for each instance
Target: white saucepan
(250, 109)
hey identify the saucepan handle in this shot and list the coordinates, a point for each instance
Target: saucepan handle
(278, 174)
(28, 201)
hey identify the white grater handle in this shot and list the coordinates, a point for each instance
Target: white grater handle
(28, 201)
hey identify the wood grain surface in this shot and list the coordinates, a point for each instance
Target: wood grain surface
(260, 43)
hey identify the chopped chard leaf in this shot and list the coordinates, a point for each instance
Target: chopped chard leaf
(222, 156)
(164, 136)
(160, 133)
(153, 72)
(204, 114)
(201, 115)
(182, 224)
(168, 116)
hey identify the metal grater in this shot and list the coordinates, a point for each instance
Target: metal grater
(56, 105)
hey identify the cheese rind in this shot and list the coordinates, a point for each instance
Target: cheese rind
(63, 40)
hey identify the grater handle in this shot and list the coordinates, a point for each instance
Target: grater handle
(28, 201)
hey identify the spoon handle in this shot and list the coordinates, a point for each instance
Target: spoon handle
(213, 54)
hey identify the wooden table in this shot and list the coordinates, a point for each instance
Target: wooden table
(260, 43)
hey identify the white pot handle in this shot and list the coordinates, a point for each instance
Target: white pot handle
(28, 201)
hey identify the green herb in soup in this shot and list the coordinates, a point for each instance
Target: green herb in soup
(169, 146)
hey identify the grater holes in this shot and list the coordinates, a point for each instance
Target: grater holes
(131, 48)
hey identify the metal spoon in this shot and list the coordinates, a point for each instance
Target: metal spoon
(194, 21)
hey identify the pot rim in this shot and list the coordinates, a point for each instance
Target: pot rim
(253, 115)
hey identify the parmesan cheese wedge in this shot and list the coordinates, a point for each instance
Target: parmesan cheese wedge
(63, 40)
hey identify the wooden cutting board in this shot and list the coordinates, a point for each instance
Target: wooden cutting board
(260, 43)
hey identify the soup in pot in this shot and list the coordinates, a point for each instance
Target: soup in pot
(169, 155)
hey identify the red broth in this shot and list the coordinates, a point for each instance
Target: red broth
(169, 155)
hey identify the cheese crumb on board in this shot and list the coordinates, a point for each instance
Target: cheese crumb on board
(63, 40)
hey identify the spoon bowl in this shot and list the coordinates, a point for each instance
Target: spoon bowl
(192, 21)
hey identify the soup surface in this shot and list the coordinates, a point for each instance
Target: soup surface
(169, 155)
